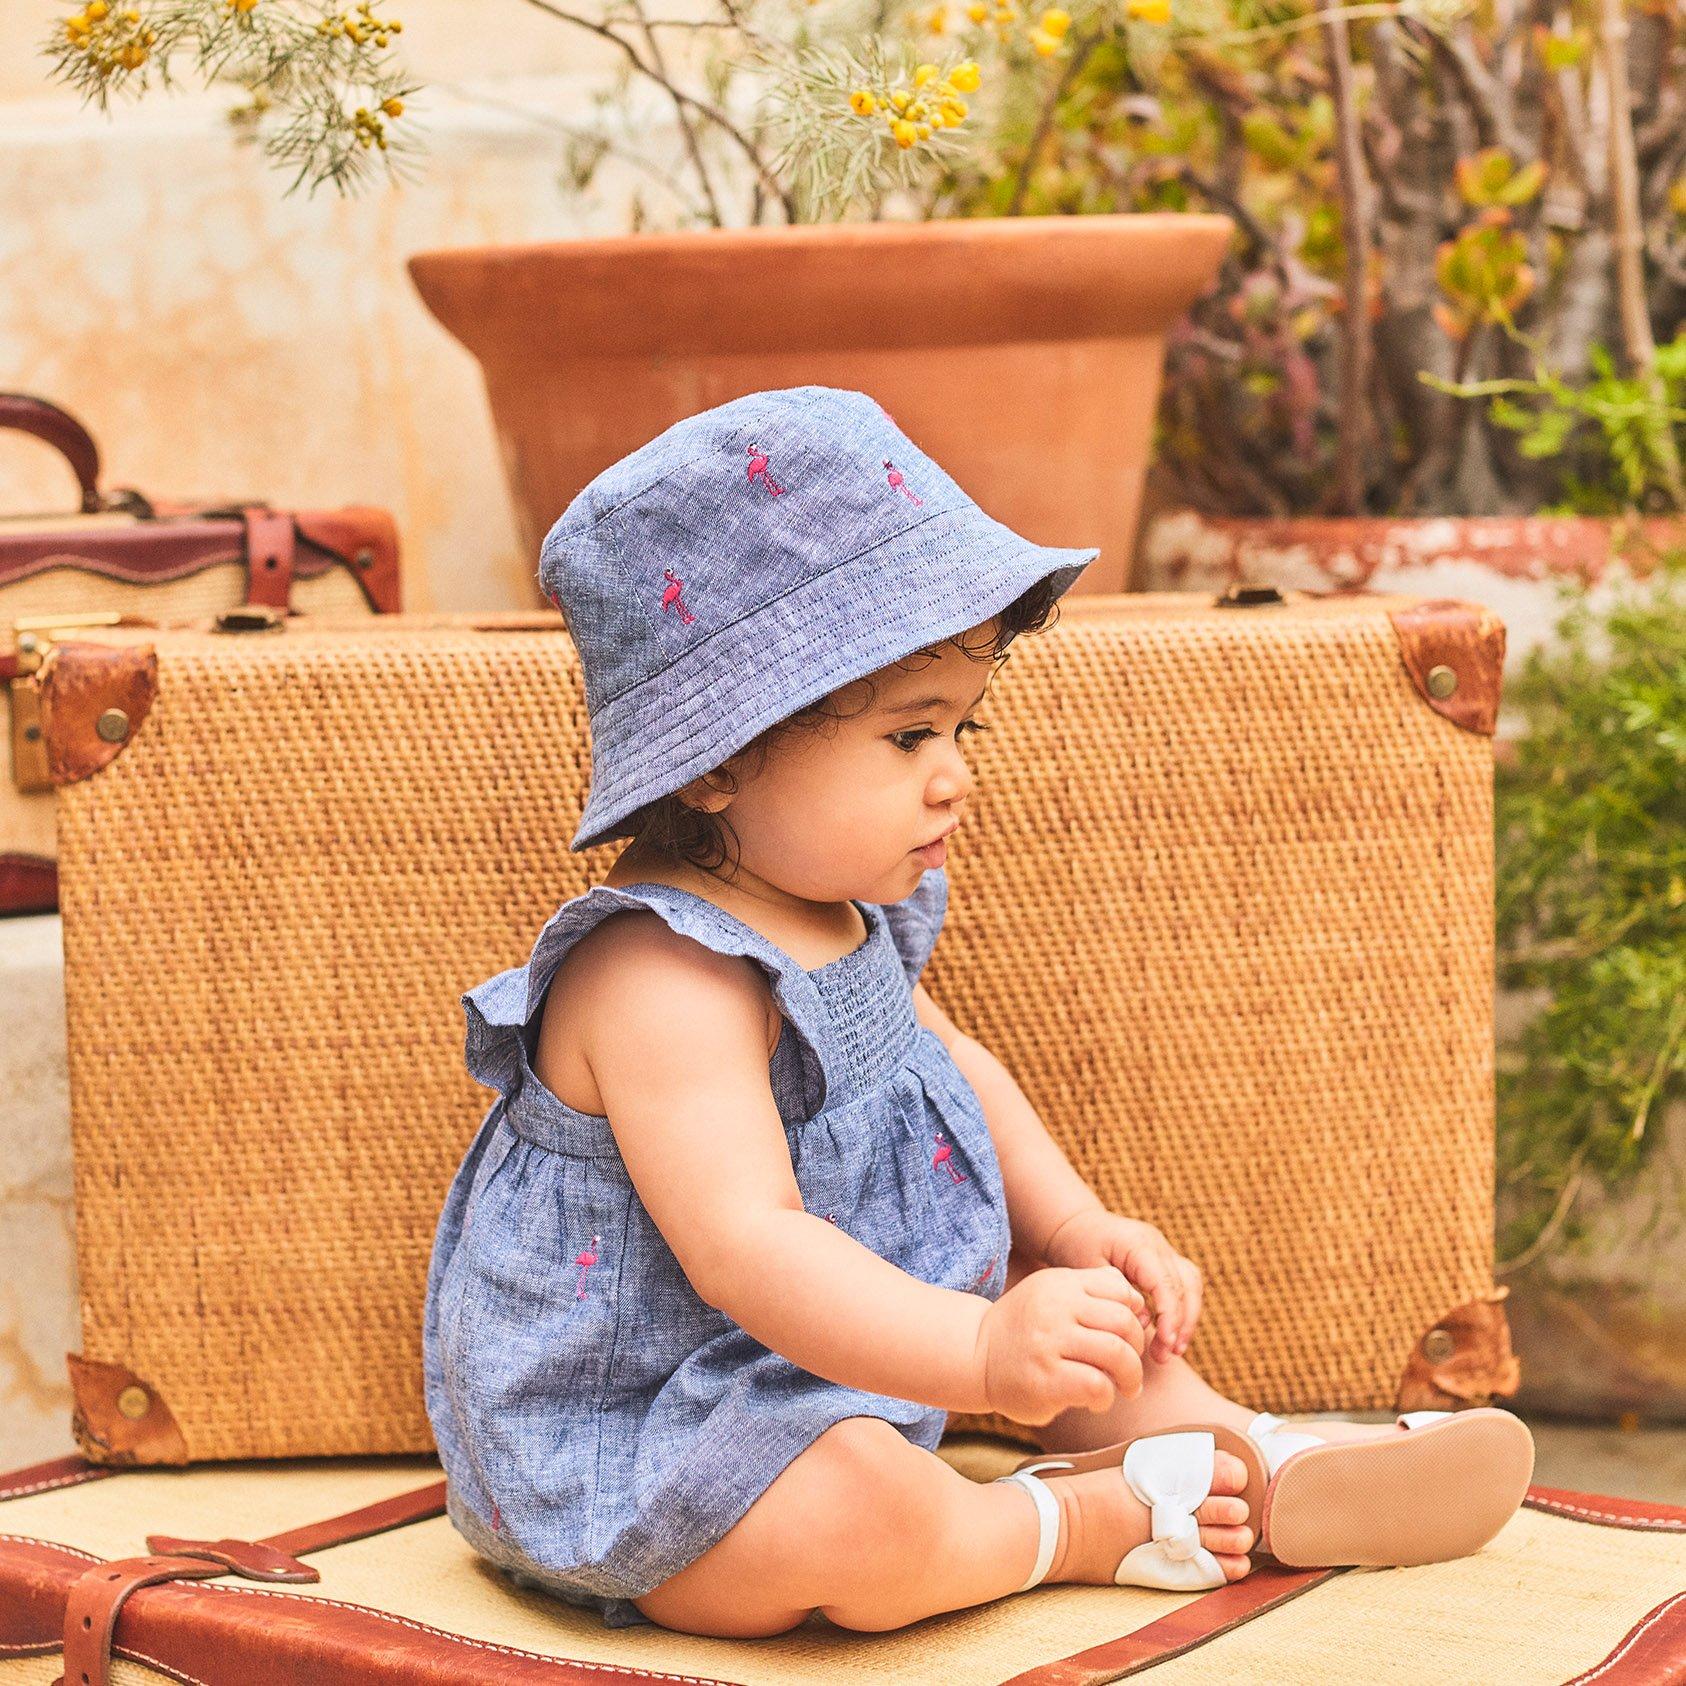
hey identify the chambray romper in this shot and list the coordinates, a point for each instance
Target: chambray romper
(600, 1425)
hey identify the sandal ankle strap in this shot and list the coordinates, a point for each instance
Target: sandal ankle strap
(1048, 1520)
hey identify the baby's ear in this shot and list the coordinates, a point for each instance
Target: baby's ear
(710, 793)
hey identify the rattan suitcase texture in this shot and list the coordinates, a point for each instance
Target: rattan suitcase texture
(1223, 905)
(346, 1573)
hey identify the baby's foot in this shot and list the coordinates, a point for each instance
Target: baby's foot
(1102, 1521)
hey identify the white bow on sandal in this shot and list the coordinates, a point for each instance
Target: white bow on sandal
(1171, 1473)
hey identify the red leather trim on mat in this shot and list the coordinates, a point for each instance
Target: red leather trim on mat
(1195, 1623)
(42, 1478)
(1608, 1512)
(1653, 1651)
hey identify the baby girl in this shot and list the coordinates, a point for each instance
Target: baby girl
(750, 1215)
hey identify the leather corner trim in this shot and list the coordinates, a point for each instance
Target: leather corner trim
(1444, 635)
(120, 1419)
(81, 684)
(1465, 1358)
(365, 538)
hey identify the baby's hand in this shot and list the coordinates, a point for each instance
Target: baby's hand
(1096, 1236)
(1061, 1338)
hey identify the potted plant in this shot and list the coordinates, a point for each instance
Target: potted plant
(803, 227)
(1591, 944)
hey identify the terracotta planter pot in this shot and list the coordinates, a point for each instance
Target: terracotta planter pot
(1023, 353)
(1511, 565)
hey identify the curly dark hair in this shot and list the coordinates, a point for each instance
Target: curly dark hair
(672, 826)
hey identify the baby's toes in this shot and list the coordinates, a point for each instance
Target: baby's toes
(1234, 1542)
(1229, 1474)
(1222, 1511)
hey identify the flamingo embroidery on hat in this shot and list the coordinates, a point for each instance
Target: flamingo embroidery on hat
(585, 1258)
(900, 484)
(671, 598)
(944, 1157)
(758, 466)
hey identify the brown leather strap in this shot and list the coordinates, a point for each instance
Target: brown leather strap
(269, 556)
(1194, 1623)
(97, 1597)
(92, 1606)
(45, 1478)
(396, 1512)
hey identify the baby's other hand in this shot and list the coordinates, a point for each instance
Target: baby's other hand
(1060, 1339)
(1173, 1283)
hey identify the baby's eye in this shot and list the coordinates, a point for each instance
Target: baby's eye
(920, 733)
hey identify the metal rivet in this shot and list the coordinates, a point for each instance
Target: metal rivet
(1439, 1345)
(28, 643)
(365, 559)
(1442, 682)
(134, 1401)
(32, 734)
(113, 725)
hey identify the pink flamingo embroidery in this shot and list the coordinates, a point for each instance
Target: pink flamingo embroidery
(758, 465)
(942, 1157)
(900, 484)
(672, 600)
(497, 1518)
(987, 1269)
(585, 1259)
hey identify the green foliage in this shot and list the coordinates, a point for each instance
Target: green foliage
(1617, 438)
(1591, 908)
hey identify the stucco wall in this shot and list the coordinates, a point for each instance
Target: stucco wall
(222, 339)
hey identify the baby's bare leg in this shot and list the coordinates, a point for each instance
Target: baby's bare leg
(875, 1532)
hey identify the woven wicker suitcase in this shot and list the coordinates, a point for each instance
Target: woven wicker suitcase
(344, 1573)
(1223, 905)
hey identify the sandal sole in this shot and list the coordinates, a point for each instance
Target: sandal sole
(1424, 1496)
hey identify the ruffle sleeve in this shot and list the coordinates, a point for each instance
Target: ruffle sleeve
(916, 920)
(500, 1012)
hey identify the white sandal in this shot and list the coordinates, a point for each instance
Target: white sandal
(1440, 1491)
(1170, 1472)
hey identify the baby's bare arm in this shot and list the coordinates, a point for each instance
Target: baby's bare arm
(677, 1038)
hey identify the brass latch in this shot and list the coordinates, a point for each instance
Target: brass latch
(32, 645)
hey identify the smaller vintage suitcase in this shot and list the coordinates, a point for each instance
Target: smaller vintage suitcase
(125, 555)
(345, 1573)
(1224, 908)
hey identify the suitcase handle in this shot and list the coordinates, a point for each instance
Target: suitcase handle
(22, 412)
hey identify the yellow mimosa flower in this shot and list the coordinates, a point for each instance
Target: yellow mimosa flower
(1044, 43)
(393, 107)
(862, 103)
(1149, 11)
(965, 76)
(1055, 21)
(923, 74)
(904, 132)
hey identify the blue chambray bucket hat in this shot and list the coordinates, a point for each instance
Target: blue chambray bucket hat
(749, 561)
